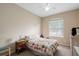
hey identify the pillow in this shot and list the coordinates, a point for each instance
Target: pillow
(34, 37)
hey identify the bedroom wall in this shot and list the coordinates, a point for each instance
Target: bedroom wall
(70, 20)
(78, 18)
(16, 21)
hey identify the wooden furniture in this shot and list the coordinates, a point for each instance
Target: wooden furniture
(4, 52)
(20, 45)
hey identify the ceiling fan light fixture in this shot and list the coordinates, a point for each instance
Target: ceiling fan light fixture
(47, 8)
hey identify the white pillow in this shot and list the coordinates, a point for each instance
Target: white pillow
(34, 37)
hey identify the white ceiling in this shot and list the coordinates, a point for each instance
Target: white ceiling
(38, 8)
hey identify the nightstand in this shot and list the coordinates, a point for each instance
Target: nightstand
(20, 45)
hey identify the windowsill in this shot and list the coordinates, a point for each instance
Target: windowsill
(56, 36)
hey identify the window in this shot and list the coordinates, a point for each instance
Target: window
(56, 28)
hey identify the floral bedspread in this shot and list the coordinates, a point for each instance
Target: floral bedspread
(43, 45)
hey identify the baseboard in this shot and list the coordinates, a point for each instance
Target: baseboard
(64, 45)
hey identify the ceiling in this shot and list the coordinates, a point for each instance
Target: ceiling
(39, 8)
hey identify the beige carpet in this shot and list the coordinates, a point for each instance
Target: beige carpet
(25, 53)
(61, 51)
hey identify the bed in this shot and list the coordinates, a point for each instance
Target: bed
(5, 46)
(42, 46)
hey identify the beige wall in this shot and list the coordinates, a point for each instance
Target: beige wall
(70, 20)
(78, 18)
(16, 21)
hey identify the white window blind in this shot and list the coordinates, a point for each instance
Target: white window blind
(56, 28)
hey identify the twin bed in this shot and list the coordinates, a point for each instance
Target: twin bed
(42, 46)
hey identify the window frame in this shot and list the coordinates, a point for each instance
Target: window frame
(55, 19)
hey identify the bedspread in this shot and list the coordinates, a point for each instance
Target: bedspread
(43, 45)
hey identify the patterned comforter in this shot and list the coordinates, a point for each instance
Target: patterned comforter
(43, 46)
